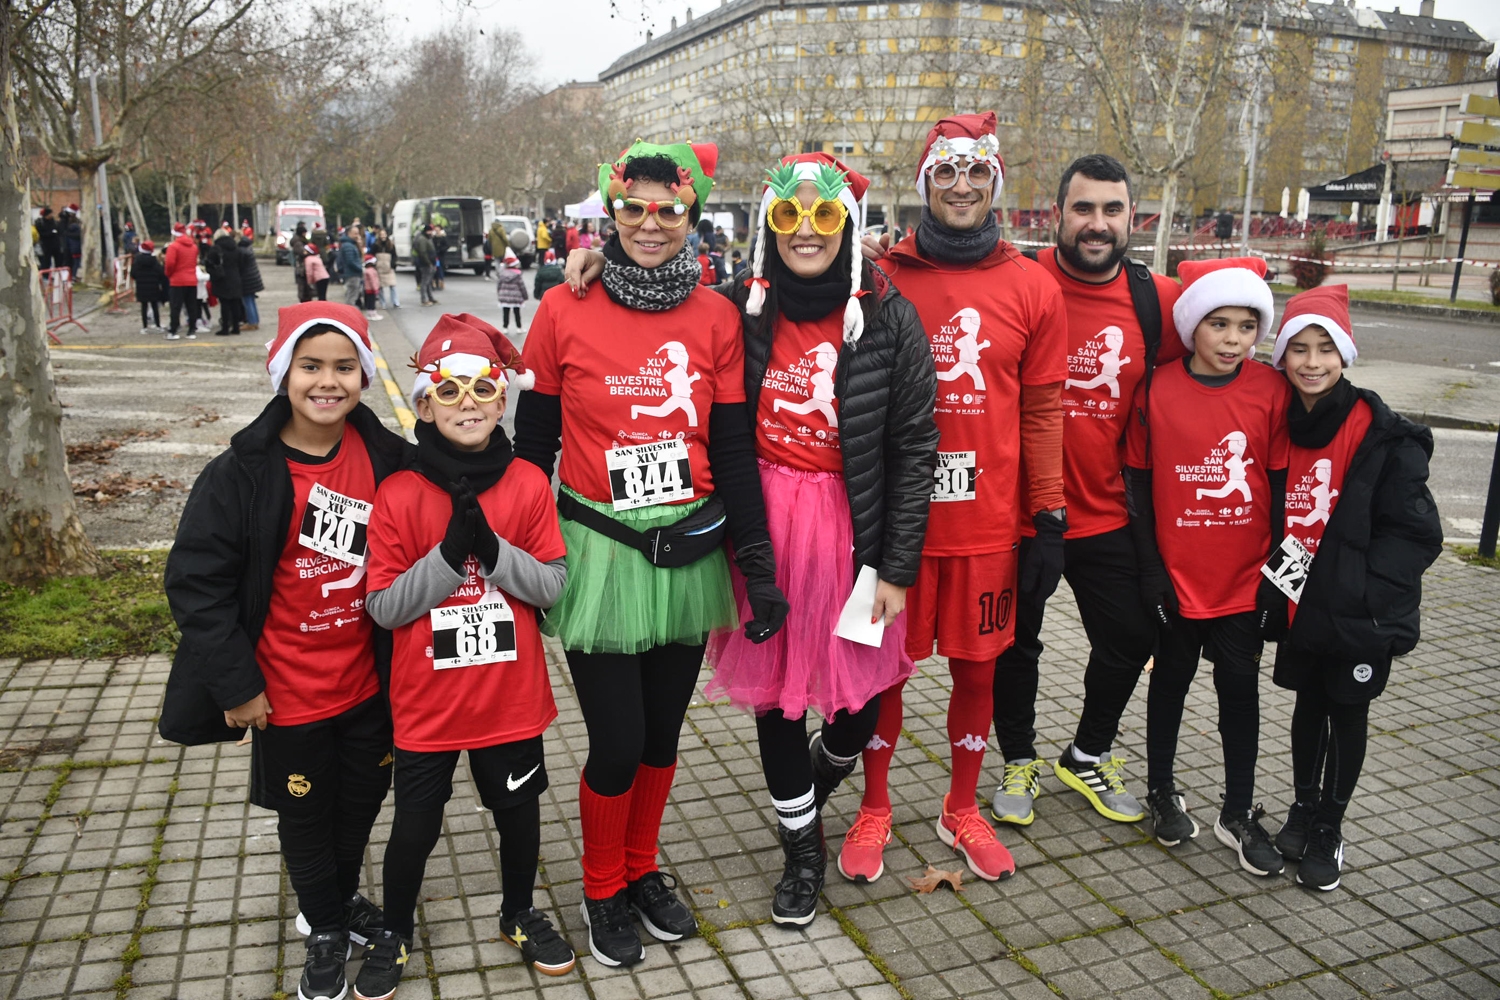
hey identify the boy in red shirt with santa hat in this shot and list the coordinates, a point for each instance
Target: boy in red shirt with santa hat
(267, 582)
(1206, 459)
(467, 548)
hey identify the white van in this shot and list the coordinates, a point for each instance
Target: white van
(465, 218)
(288, 214)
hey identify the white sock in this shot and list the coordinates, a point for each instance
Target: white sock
(1079, 755)
(796, 813)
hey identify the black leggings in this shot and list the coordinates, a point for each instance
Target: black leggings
(151, 314)
(1232, 643)
(505, 312)
(1328, 743)
(413, 836)
(783, 745)
(633, 706)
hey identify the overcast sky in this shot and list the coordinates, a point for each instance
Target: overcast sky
(576, 39)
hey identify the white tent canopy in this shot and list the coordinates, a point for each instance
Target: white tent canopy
(591, 207)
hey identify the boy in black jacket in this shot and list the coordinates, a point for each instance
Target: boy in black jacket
(1361, 528)
(266, 582)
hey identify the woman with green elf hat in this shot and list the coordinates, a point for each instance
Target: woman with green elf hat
(841, 385)
(641, 382)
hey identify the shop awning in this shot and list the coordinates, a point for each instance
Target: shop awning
(1364, 187)
(1413, 181)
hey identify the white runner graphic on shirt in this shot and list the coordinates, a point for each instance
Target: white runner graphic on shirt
(826, 357)
(968, 348)
(680, 384)
(1235, 464)
(1322, 494)
(1109, 364)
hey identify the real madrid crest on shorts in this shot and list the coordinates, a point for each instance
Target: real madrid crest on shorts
(1363, 672)
(298, 785)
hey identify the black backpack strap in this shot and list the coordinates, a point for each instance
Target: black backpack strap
(1147, 302)
(1029, 254)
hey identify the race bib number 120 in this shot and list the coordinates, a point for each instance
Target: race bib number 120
(335, 525)
(1287, 568)
(953, 479)
(643, 475)
(472, 634)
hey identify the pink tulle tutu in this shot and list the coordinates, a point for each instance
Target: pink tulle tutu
(805, 665)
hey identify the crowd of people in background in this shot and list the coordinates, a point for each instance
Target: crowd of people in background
(199, 270)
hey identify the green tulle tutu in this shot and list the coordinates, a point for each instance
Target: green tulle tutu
(615, 601)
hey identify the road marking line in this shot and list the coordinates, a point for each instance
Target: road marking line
(404, 415)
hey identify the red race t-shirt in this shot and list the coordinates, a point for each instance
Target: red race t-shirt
(1210, 450)
(796, 414)
(472, 673)
(636, 388)
(992, 327)
(1106, 361)
(317, 649)
(1313, 481)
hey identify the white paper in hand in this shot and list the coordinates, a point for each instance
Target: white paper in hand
(854, 620)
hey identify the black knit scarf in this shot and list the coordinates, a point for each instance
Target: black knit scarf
(1315, 428)
(936, 241)
(803, 300)
(649, 289)
(445, 465)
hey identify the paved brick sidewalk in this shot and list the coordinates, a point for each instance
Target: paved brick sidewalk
(136, 870)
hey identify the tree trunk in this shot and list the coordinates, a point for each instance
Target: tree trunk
(172, 216)
(1164, 222)
(42, 534)
(133, 201)
(90, 262)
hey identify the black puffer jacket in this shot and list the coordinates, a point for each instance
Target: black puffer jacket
(251, 282)
(887, 389)
(1364, 592)
(219, 573)
(223, 266)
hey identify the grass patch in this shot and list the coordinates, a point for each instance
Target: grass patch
(1470, 554)
(121, 612)
(1401, 298)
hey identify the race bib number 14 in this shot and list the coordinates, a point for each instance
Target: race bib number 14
(473, 634)
(335, 525)
(643, 475)
(953, 479)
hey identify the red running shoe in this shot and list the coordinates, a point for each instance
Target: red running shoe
(862, 858)
(971, 836)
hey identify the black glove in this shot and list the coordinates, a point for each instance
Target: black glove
(486, 542)
(1271, 603)
(1157, 595)
(1040, 560)
(459, 539)
(767, 603)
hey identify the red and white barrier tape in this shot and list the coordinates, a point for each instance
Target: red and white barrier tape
(1408, 262)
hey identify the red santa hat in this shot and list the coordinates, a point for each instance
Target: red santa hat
(519, 375)
(510, 257)
(179, 229)
(1326, 306)
(147, 246)
(973, 136)
(1212, 284)
(454, 349)
(812, 167)
(293, 321)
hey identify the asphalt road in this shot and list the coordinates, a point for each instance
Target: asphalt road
(1418, 340)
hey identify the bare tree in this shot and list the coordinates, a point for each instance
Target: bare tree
(1155, 65)
(43, 536)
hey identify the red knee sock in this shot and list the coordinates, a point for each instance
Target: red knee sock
(604, 819)
(969, 714)
(881, 748)
(643, 830)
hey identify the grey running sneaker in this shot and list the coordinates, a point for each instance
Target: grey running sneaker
(1169, 815)
(1019, 786)
(1101, 784)
(1323, 859)
(1243, 834)
(1291, 839)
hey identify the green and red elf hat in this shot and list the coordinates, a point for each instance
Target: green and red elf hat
(695, 161)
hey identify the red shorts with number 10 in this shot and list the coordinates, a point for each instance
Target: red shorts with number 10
(966, 604)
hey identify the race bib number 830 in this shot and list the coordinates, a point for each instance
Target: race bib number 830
(643, 475)
(335, 525)
(953, 479)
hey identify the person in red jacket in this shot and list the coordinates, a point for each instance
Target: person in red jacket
(182, 281)
(1110, 352)
(997, 326)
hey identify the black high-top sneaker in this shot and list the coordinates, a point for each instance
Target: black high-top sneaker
(796, 900)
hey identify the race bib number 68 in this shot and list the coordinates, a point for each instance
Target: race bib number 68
(472, 634)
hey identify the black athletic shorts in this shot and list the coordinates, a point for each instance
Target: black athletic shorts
(1231, 642)
(306, 768)
(1345, 681)
(506, 774)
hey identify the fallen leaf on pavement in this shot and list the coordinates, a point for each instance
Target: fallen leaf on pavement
(934, 877)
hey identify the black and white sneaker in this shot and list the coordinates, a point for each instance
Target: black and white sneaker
(665, 916)
(383, 967)
(1169, 816)
(362, 919)
(323, 968)
(612, 937)
(1323, 860)
(828, 774)
(1243, 834)
(795, 900)
(539, 942)
(1291, 839)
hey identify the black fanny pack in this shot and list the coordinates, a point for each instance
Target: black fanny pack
(670, 546)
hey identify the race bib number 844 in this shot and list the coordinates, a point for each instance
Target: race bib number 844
(335, 525)
(643, 475)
